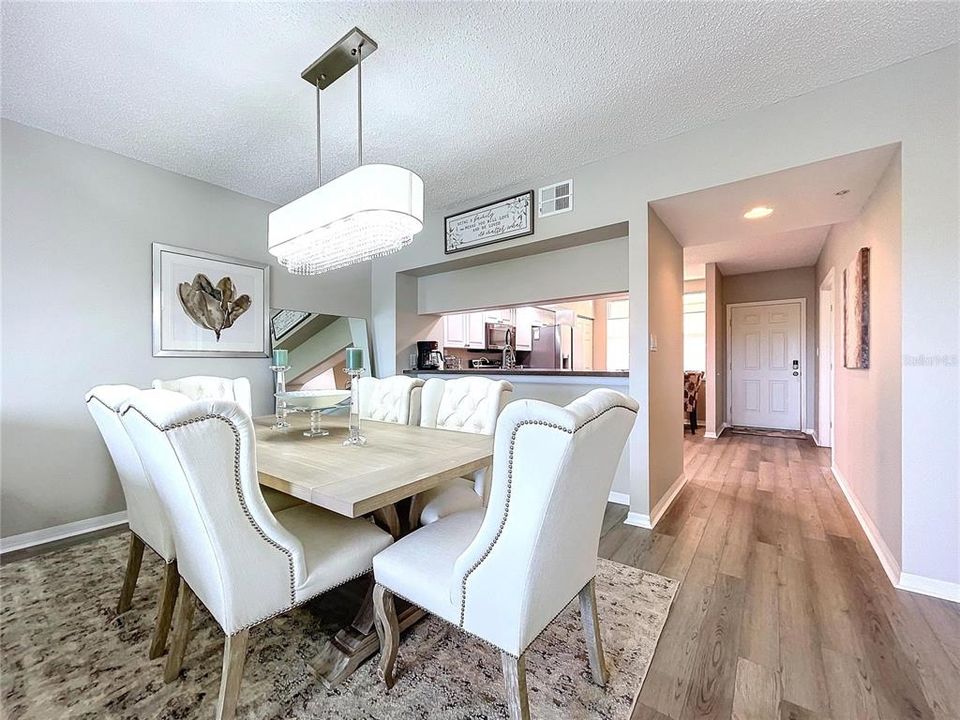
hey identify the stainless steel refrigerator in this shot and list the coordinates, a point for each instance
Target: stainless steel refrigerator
(551, 347)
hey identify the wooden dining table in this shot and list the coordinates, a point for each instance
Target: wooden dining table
(397, 463)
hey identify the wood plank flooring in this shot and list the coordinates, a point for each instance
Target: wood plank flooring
(784, 611)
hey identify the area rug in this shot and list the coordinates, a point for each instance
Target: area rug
(767, 432)
(66, 654)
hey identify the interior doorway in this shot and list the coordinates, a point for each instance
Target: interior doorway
(766, 350)
(825, 351)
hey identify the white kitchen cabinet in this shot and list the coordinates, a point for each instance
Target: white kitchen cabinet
(455, 331)
(504, 316)
(476, 330)
(545, 317)
(526, 319)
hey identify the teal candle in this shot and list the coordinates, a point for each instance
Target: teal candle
(354, 358)
(280, 358)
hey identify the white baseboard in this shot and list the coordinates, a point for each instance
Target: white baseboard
(929, 586)
(650, 521)
(619, 498)
(890, 564)
(638, 520)
(714, 436)
(813, 434)
(59, 532)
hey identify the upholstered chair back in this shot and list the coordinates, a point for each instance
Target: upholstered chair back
(210, 387)
(392, 399)
(470, 404)
(537, 544)
(234, 555)
(145, 514)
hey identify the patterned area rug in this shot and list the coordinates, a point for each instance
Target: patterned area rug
(65, 653)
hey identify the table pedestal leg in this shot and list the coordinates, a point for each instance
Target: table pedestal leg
(357, 642)
(347, 651)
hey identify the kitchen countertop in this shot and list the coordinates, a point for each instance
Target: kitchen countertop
(523, 371)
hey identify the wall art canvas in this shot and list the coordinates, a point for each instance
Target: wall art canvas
(207, 305)
(494, 222)
(856, 311)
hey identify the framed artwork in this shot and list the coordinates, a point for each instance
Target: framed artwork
(494, 222)
(856, 311)
(207, 305)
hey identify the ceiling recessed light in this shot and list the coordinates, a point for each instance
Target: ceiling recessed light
(758, 212)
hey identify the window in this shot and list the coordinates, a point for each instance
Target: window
(695, 331)
(618, 335)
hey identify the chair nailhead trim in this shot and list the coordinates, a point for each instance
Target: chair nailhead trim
(237, 485)
(506, 507)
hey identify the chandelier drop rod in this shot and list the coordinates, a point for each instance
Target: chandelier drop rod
(319, 141)
(360, 104)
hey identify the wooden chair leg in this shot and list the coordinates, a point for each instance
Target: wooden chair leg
(515, 682)
(234, 655)
(134, 559)
(165, 606)
(591, 629)
(186, 604)
(388, 629)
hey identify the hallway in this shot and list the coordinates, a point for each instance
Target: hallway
(784, 611)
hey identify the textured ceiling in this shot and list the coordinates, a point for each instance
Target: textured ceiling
(710, 225)
(473, 96)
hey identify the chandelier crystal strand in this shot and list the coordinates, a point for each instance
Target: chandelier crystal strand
(368, 212)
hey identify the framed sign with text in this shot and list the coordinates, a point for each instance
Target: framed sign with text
(494, 222)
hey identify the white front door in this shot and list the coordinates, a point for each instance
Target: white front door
(765, 366)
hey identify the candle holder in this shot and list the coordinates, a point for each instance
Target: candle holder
(280, 386)
(354, 437)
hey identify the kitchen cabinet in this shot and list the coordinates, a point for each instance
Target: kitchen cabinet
(476, 330)
(545, 317)
(526, 319)
(455, 331)
(505, 316)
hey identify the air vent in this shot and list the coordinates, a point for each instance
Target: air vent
(556, 199)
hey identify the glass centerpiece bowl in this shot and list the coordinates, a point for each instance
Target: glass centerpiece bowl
(316, 402)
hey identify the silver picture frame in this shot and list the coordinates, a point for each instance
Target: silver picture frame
(163, 349)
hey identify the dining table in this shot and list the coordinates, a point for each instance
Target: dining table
(396, 464)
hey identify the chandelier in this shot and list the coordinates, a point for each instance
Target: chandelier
(370, 211)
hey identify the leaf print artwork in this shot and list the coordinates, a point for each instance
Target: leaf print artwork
(212, 307)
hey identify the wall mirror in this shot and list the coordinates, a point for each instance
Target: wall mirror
(316, 345)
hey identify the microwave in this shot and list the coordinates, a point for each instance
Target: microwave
(499, 335)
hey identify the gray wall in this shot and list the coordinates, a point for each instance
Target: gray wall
(867, 419)
(783, 285)
(599, 268)
(716, 375)
(77, 227)
(665, 410)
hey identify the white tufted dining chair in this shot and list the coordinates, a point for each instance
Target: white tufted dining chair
(504, 575)
(392, 399)
(210, 387)
(470, 404)
(145, 517)
(243, 562)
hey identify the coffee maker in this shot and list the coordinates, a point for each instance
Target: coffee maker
(428, 355)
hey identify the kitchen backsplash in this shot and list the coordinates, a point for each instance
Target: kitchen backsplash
(493, 356)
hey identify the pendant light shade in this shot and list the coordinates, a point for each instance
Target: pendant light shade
(371, 211)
